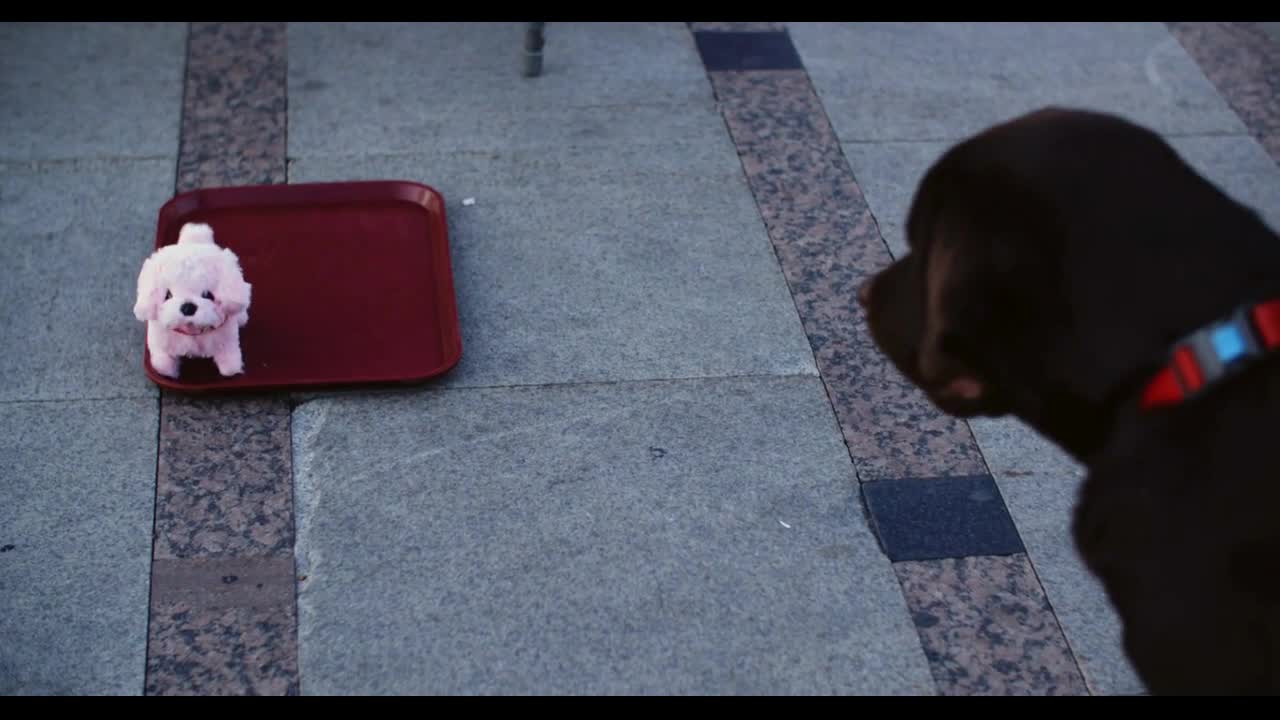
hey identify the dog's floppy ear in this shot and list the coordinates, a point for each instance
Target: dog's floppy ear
(944, 333)
(973, 313)
(986, 316)
(233, 292)
(150, 294)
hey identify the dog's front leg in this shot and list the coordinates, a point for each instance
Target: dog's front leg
(227, 357)
(162, 361)
(164, 364)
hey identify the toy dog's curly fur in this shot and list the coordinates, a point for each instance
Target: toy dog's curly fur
(194, 299)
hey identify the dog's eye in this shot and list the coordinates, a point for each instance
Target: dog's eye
(206, 295)
(167, 294)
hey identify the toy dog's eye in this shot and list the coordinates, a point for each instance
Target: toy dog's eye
(167, 294)
(206, 295)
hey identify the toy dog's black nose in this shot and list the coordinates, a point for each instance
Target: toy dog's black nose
(188, 309)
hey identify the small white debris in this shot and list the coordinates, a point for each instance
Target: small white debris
(468, 201)
(785, 525)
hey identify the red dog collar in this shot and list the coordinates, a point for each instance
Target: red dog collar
(1215, 351)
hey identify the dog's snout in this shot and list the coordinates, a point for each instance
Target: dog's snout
(188, 309)
(864, 291)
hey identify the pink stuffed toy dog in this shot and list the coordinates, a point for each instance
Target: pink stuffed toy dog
(194, 299)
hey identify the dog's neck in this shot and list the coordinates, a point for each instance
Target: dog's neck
(1077, 426)
(1082, 426)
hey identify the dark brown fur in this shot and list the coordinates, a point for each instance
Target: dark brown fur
(1054, 261)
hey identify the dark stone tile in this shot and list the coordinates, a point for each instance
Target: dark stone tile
(935, 518)
(739, 50)
(223, 582)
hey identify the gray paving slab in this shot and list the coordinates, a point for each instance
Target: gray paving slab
(649, 538)
(75, 545)
(1272, 29)
(414, 87)
(890, 173)
(75, 235)
(606, 263)
(936, 81)
(1042, 507)
(81, 90)
(472, 129)
(1014, 451)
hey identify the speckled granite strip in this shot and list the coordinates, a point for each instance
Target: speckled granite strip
(224, 478)
(828, 242)
(223, 598)
(221, 651)
(987, 628)
(233, 113)
(1243, 61)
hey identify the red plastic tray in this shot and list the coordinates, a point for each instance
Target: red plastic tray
(351, 284)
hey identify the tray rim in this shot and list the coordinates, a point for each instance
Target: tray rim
(333, 192)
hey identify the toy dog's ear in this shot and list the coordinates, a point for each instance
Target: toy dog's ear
(233, 292)
(150, 294)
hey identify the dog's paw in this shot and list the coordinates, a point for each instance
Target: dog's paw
(231, 368)
(229, 365)
(166, 365)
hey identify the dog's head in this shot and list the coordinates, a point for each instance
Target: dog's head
(976, 292)
(1047, 272)
(191, 287)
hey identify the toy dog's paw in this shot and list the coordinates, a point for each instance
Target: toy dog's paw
(231, 368)
(229, 364)
(166, 365)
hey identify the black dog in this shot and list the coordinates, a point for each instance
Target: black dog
(1070, 269)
